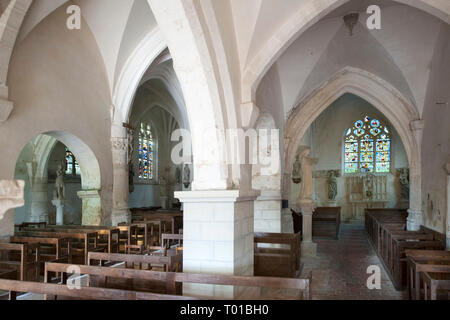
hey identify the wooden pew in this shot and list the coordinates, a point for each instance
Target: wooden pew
(20, 258)
(85, 293)
(82, 241)
(424, 261)
(107, 236)
(172, 280)
(277, 262)
(326, 222)
(171, 263)
(399, 270)
(50, 249)
(433, 282)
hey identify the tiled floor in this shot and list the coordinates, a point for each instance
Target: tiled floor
(340, 269)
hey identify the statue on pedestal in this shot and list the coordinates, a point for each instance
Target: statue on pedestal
(59, 183)
(307, 177)
(332, 184)
(403, 176)
(296, 170)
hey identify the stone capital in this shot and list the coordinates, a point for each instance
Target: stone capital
(216, 196)
(6, 108)
(11, 195)
(119, 144)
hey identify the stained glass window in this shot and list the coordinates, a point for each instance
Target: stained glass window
(145, 152)
(367, 147)
(72, 166)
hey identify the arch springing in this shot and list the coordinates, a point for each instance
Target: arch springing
(367, 147)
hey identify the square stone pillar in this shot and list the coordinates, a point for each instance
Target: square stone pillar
(218, 238)
(92, 207)
(268, 216)
(308, 246)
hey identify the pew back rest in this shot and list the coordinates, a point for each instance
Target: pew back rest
(303, 285)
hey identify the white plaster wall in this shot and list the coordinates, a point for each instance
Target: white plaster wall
(52, 78)
(436, 136)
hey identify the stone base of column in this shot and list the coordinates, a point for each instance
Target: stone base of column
(120, 216)
(268, 216)
(309, 249)
(217, 238)
(414, 220)
(448, 244)
(92, 207)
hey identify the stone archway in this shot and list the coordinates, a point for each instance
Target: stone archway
(90, 176)
(397, 109)
(310, 13)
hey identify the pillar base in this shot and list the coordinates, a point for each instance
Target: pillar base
(309, 249)
(120, 216)
(92, 207)
(414, 220)
(448, 244)
(218, 238)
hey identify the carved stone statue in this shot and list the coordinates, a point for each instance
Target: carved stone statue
(403, 176)
(368, 186)
(59, 183)
(296, 170)
(332, 185)
(307, 177)
(163, 186)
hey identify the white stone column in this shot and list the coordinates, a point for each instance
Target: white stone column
(39, 202)
(59, 204)
(415, 213)
(308, 246)
(120, 211)
(11, 196)
(92, 207)
(218, 237)
(306, 203)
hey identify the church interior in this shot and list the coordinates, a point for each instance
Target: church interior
(237, 150)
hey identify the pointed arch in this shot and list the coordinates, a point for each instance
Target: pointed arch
(397, 109)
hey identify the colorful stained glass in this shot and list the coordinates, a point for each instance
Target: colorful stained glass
(368, 148)
(383, 157)
(375, 131)
(375, 123)
(145, 152)
(351, 167)
(383, 166)
(72, 166)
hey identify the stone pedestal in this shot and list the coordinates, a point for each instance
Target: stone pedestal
(39, 202)
(164, 202)
(59, 204)
(218, 237)
(414, 220)
(92, 207)
(309, 248)
(331, 203)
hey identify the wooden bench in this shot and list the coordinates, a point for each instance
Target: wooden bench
(326, 222)
(424, 261)
(171, 263)
(23, 259)
(277, 262)
(50, 249)
(107, 236)
(172, 281)
(60, 291)
(433, 282)
(82, 241)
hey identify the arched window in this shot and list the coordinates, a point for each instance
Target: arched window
(145, 152)
(367, 147)
(72, 166)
